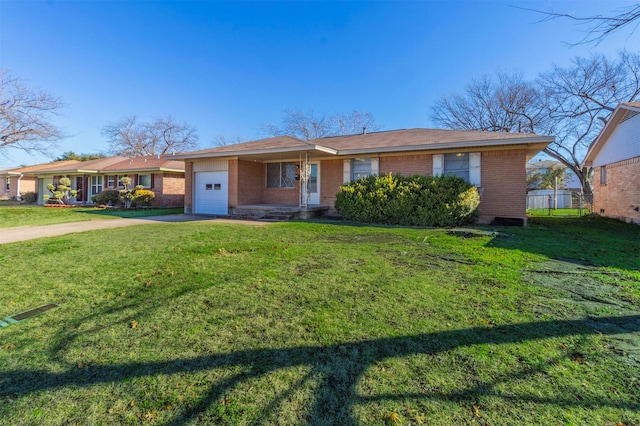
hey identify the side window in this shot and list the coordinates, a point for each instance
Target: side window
(603, 175)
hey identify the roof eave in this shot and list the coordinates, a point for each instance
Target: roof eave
(256, 152)
(450, 145)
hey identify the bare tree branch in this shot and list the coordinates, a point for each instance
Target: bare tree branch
(25, 116)
(310, 125)
(131, 138)
(598, 27)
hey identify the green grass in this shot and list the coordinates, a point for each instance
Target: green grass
(14, 216)
(558, 212)
(318, 323)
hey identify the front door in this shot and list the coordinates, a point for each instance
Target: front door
(311, 192)
(80, 188)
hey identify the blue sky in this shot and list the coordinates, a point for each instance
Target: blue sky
(230, 67)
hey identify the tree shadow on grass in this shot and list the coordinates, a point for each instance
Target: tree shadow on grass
(589, 241)
(340, 368)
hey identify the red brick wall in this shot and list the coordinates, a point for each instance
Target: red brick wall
(620, 196)
(504, 185)
(250, 181)
(27, 184)
(331, 178)
(407, 165)
(188, 186)
(169, 189)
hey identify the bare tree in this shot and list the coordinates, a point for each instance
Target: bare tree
(131, 138)
(570, 103)
(310, 125)
(25, 116)
(506, 103)
(223, 140)
(578, 101)
(599, 27)
(355, 122)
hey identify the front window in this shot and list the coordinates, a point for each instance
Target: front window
(281, 175)
(457, 165)
(144, 180)
(96, 184)
(111, 181)
(7, 183)
(360, 167)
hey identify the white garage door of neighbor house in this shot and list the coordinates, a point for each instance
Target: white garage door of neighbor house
(212, 193)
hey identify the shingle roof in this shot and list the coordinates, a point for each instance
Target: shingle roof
(107, 164)
(415, 137)
(387, 141)
(276, 143)
(38, 167)
(148, 163)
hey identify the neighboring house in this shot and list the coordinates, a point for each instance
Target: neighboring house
(569, 182)
(615, 158)
(163, 175)
(285, 171)
(18, 181)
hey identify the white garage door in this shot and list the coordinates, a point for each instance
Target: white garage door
(212, 193)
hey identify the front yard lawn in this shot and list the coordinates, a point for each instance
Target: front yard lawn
(318, 323)
(14, 216)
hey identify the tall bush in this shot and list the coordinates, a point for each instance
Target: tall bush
(409, 201)
(61, 192)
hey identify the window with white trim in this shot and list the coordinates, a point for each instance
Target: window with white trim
(603, 175)
(281, 175)
(7, 183)
(360, 167)
(462, 164)
(111, 181)
(96, 185)
(144, 180)
(457, 165)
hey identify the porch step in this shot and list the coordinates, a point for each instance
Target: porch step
(280, 215)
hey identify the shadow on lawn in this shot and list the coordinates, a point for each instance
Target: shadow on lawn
(589, 240)
(340, 368)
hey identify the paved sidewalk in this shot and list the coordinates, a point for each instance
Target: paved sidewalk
(13, 235)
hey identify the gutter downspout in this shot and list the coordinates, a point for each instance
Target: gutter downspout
(18, 197)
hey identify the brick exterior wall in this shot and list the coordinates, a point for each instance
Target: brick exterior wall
(169, 189)
(251, 175)
(188, 187)
(331, 178)
(407, 165)
(27, 184)
(504, 185)
(619, 197)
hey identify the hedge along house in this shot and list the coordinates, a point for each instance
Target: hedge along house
(615, 158)
(285, 172)
(163, 175)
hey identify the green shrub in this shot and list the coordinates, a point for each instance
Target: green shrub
(29, 197)
(409, 201)
(143, 197)
(108, 196)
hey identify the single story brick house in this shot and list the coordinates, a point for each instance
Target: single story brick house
(285, 171)
(164, 175)
(21, 180)
(615, 158)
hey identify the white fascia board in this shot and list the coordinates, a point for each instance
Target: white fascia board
(607, 130)
(448, 145)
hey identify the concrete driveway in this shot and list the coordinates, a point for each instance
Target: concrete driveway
(12, 235)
